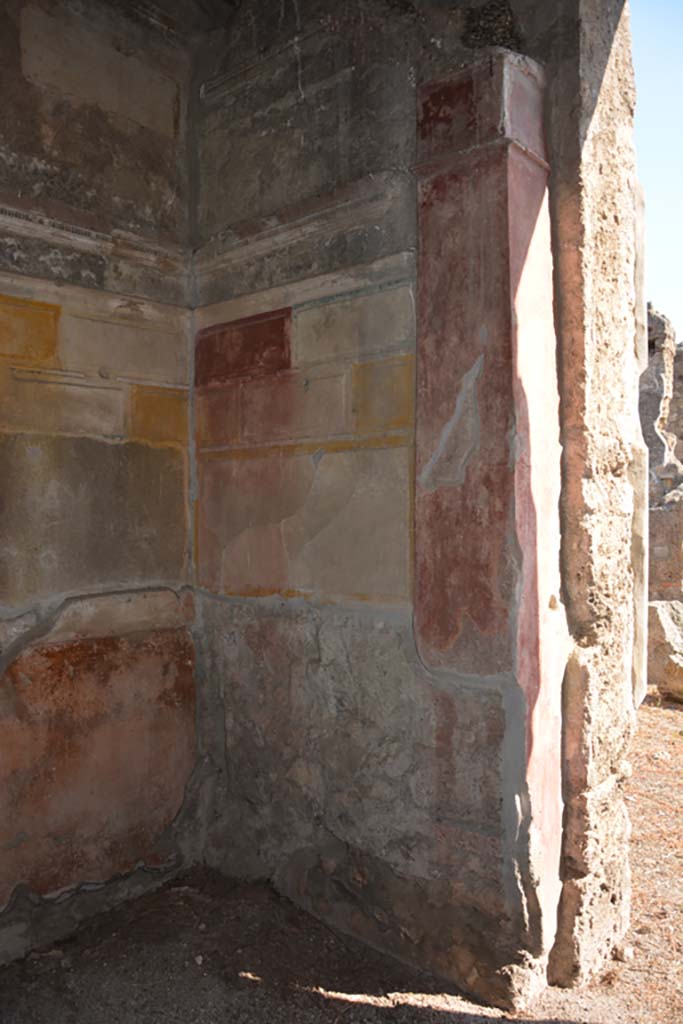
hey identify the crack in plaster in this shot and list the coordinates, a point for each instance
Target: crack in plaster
(459, 438)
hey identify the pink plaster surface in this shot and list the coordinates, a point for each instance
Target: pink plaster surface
(242, 503)
(487, 535)
(282, 406)
(465, 564)
(294, 405)
(542, 636)
(217, 414)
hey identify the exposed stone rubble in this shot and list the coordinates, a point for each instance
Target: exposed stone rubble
(675, 422)
(660, 403)
(655, 403)
(639, 472)
(665, 641)
(666, 548)
(666, 647)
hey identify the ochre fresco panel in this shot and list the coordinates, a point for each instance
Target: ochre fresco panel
(28, 331)
(97, 747)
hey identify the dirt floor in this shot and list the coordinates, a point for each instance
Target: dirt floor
(203, 951)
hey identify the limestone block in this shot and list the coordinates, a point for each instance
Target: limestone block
(594, 210)
(98, 745)
(666, 548)
(79, 514)
(611, 718)
(665, 648)
(355, 327)
(112, 347)
(331, 522)
(254, 346)
(384, 395)
(159, 415)
(655, 399)
(62, 55)
(642, 354)
(28, 331)
(640, 545)
(639, 472)
(54, 403)
(294, 405)
(676, 407)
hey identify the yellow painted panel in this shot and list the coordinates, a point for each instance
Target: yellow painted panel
(384, 395)
(47, 402)
(159, 415)
(28, 331)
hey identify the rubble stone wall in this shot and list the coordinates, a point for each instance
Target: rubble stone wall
(656, 404)
(676, 408)
(660, 401)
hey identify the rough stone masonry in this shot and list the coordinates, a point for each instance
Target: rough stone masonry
(660, 412)
(321, 525)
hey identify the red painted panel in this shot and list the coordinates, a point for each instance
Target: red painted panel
(487, 536)
(254, 346)
(447, 115)
(98, 743)
(465, 550)
(498, 99)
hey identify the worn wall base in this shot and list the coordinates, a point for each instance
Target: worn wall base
(101, 785)
(371, 791)
(416, 920)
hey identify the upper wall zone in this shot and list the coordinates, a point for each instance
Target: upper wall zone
(302, 119)
(93, 175)
(316, 113)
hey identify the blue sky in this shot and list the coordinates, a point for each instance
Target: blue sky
(657, 29)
